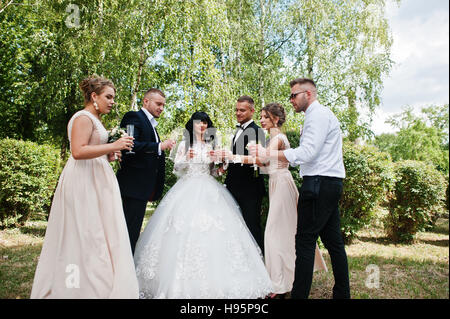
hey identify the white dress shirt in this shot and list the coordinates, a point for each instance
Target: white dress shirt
(241, 129)
(154, 124)
(320, 149)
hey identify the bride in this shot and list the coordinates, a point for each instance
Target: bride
(196, 244)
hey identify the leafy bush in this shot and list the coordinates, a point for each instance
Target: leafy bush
(170, 178)
(369, 175)
(28, 176)
(447, 204)
(415, 201)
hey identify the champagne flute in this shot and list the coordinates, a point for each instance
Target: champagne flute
(255, 167)
(130, 132)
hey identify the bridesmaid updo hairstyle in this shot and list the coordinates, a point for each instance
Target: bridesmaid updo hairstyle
(275, 109)
(95, 84)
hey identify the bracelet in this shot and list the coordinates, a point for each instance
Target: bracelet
(237, 159)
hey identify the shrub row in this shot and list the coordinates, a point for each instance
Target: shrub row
(414, 192)
(416, 200)
(28, 176)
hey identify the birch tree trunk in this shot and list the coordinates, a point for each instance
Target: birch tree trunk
(261, 52)
(142, 59)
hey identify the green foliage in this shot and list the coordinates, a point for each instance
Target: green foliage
(345, 47)
(369, 175)
(170, 179)
(202, 54)
(447, 199)
(28, 177)
(421, 138)
(415, 201)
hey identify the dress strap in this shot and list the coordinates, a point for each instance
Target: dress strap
(283, 139)
(94, 120)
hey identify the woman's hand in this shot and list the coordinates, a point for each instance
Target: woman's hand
(124, 143)
(115, 156)
(258, 150)
(190, 154)
(221, 155)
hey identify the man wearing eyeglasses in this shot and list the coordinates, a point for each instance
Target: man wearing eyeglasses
(319, 156)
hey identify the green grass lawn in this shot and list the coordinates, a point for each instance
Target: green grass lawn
(412, 271)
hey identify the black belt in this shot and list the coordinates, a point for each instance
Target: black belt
(329, 178)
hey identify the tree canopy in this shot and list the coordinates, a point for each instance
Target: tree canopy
(422, 137)
(202, 54)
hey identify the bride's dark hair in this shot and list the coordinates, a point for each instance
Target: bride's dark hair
(210, 133)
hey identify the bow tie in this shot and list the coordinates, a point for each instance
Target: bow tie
(240, 126)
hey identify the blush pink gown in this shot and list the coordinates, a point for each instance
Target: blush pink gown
(86, 251)
(281, 226)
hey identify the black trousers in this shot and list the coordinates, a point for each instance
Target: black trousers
(318, 215)
(251, 211)
(134, 210)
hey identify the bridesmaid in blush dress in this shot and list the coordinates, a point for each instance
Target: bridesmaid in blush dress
(281, 226)
(86, 251)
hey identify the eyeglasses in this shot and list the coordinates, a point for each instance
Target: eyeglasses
(293, 95)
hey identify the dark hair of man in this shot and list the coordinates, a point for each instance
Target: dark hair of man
(246, 98)
(302, 81)
(154, 90)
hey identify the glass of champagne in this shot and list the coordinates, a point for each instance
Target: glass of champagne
(130, 132)
(255, 167)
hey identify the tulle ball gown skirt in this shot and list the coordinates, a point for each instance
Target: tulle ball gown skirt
(196, 245)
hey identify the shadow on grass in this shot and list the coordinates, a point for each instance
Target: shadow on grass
(388, 241)
(38, 231)
(441, 227)
(377, 240)
(399, 278)
(440, 242)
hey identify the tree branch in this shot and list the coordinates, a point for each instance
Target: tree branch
(7, 5)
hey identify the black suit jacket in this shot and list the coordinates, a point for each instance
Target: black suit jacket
(142, 174)
(241, 180)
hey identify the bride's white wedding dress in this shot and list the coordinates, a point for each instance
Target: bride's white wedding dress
(196, 244)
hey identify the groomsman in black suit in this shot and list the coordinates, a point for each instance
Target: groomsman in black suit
(141, 175)
(244, 183)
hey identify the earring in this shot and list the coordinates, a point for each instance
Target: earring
(96, 106)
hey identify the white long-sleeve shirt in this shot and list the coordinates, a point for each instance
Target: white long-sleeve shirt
(320, 149)
(154, 124)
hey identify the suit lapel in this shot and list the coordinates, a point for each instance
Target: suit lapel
(150, 126)
(239, 140)
(243, 133)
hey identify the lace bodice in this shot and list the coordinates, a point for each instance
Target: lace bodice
(99, 135)
(200, 164)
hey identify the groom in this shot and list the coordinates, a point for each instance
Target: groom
(244, 183)
(141, 175)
